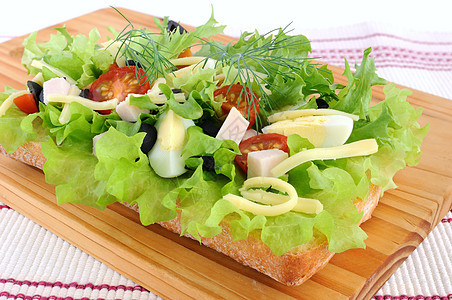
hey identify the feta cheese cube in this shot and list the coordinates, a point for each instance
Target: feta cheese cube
(260, 163)
(129, 112)
(234, 127)
(58, 86)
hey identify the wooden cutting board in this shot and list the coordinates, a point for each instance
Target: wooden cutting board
(177, 267)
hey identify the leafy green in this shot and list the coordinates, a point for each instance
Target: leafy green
(120, 171)
(18, 128)
(80, 57)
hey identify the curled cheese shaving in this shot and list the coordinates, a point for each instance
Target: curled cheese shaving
(266, 210)
(304, 205)
(94, 105)
(186, 61)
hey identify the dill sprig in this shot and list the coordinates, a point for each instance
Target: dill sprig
(140, 45)
(261, 64)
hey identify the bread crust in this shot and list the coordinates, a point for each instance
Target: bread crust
(292, 268)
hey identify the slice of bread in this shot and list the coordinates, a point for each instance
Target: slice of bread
(292, 268)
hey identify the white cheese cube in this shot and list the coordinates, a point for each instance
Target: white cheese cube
(58, 86)
(260, 163)
(234, 127)
(128, 112)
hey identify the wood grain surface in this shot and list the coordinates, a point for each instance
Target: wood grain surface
(177, 267)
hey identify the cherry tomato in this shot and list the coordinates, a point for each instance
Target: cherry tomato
(260, 142)
(113, 66)
(26, 103)
(118, 83)
(185, 53)
(248, 105)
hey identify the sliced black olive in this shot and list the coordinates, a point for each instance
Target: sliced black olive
(208, 163)
(149, 139)
(35, 89)
(173, 26)
(131, 62)
(321, 103)
(175, 91)
(84, 93)
(210, 127)
(41, 96)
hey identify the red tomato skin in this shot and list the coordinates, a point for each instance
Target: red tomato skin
(118, 83)
(186, 53)
(263, 141)
(26, 103)
(232, 94)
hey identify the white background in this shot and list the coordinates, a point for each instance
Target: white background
(22, 17)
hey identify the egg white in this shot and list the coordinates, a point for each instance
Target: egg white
(321, 131)
(166, 155)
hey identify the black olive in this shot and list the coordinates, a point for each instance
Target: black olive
(210, 127)
(173, 26)
(321, 103)
(84, 93)
(41, 96)
(208, 163)
(150, 137)
(35, 89)
(131, 62)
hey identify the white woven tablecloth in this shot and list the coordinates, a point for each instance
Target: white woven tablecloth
(36, 264)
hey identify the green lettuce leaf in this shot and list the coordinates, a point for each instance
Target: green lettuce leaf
(80, 57)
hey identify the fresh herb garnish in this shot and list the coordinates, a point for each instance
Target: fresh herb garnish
(260, 63)
(141, 46)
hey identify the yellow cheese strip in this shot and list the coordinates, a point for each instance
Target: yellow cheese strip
(94, 105)
(186, 61)
(266, 210)
(293, 114)
(359, 148)
(65, 114)
(9, 101)
(304, 205)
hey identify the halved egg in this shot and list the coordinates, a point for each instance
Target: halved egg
(321, 131)
(165, 157)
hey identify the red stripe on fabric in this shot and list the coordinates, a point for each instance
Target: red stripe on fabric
(39, 297)
(426, 57)
(73, 285)
(4, 206)
(384, 59)
(389, 50)
(446, 220)
(418, 297)
(390, 64)
(377, 34)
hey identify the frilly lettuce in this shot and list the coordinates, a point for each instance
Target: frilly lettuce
(80, 57)
(121, 172)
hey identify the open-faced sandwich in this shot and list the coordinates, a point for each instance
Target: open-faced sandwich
(249, 147)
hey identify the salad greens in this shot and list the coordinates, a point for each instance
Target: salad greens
(121, 172)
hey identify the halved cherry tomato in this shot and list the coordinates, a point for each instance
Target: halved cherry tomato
(263, 141)
(113, 66)
(248, 105)
(185, 53)
(118, 83)
(26, 103)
